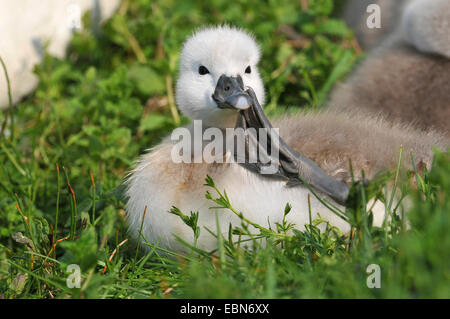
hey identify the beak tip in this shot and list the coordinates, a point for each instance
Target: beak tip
(242, 103)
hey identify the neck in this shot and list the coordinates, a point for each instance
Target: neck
(227, 119)
(209, 136)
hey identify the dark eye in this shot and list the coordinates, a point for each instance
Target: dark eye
(202, 70)
(248, 70)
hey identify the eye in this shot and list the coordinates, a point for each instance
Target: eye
(202, 70)
(248, 70)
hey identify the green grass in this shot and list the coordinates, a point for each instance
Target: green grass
(71, 142)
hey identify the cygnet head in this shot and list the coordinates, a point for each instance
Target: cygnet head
(214, 61)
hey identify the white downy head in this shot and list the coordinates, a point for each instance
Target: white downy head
(206, 56)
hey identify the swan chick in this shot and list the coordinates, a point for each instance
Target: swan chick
(426, 26)
(406, 77)
(157, 183)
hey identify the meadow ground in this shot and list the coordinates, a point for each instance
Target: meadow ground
(65, 149)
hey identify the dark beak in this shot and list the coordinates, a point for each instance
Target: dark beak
(229, 93)
(294, 166)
